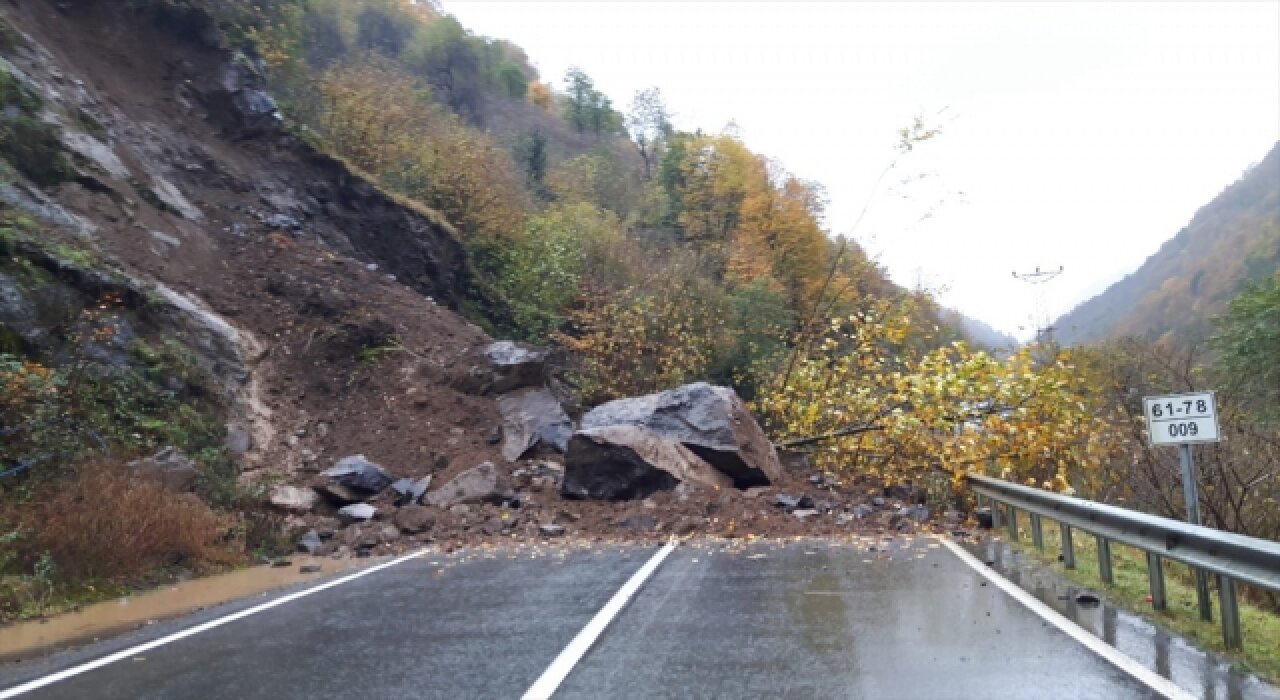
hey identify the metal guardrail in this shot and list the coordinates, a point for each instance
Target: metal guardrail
(1233, 558)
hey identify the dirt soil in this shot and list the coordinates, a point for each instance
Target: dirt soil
(356, 359)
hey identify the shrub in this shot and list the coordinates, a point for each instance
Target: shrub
(103, 524)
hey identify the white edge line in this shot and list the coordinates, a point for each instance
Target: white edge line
(550, 680)
(1119, 659)
(183, 634)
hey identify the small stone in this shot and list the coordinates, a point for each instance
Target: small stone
(803, 513)
(281, 563)
(551, 530)
(310, 542)
(877, 502)
(639, 522)
(293, 498)
(309, 569)
(359, 473)
(419, 487)
(357, 512)
(786, 501)
(413, 519)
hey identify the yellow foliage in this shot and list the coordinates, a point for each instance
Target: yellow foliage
(896, 412)
(382, 120)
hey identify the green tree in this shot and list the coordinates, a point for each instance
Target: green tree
(1249, 339)
(586, 108)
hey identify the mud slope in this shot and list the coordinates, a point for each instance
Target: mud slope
(345, 293)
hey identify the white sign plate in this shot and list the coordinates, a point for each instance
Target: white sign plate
(1181, 419)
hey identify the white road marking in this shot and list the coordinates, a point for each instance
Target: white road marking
(183, 634)
(1119, 659)
(559, 669)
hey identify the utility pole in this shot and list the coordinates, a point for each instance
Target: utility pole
(1040, 316)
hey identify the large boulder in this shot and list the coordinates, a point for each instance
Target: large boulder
(505, 366)
(359, 474)
(475, 485)
(530, 417)
(239, 101)
(709, 420)
(618, 462)
(169, 468)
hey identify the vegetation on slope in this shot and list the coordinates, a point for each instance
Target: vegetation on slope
(1232, 240)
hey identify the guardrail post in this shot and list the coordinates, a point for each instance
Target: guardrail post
(1104, 560)
(1068, 547)
(1202, 595)
(995, 514)
(1155, 574)
(1231, 636)
(1013, 524)
(1037, 532)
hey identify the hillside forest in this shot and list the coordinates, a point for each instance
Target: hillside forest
(649, 257)
(656, 256)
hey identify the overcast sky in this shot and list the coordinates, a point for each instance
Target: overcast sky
(1080, 135)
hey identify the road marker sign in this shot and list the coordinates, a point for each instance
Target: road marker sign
(1181, 419)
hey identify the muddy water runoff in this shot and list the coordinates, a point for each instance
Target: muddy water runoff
(28, 639)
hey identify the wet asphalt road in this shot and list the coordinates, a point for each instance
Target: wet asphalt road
(809, 619)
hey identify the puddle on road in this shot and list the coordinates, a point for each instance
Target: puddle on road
(35, 637)
(1204, 674)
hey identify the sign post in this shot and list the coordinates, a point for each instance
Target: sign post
(1184, 420)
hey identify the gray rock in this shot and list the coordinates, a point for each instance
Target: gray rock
(419, 488)
(620, 462)
(476, 485)
(803, 513)
(787, 501)
(641, 523)
(709, 420)
(238, 439)
(515, 365)
(530, 417)
(551, 530)
(359, 473)
(919, 514)
(861, 511)
(340, 494)
(294, 498)
(169, 468)
(414, 519)
(357, 512)
(310, 542)
(404, 489)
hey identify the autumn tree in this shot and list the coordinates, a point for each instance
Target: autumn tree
(869, 402)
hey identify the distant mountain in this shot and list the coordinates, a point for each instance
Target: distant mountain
(976, 332)
(1232, 239)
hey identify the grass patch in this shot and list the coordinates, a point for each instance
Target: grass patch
(85, 537)
(1260, 628)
